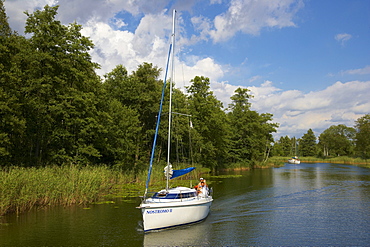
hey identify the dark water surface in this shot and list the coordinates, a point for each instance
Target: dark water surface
(295, 205)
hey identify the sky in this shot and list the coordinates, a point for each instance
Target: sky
(305, 61)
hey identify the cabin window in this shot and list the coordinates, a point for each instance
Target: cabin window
(160, 195)
(164, 195)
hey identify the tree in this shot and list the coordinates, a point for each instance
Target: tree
(307, 144)
(240, 149)
(140, 92)
(337, 140)
(58, 92)
(210, 123)
(251, 131)
(12, 124)
(119, 146)
(285, 146)
(362, 139)
(134, 99)
(5, 30)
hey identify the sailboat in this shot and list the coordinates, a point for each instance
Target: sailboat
(294, 159)
(172, 207)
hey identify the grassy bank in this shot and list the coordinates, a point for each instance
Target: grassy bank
(334, 160)
(278, 161)
(239, 166)
(24, 188)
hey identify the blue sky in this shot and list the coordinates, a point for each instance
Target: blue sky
(305, 61)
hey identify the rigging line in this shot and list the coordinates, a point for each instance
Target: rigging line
(157, 125)
(183, 114)
(190, 144)
(170, 103)
(186, 107)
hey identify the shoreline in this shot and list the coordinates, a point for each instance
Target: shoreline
(275, 162)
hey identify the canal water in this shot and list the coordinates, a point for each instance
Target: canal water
(307, 204)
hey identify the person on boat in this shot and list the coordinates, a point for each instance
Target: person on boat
(202, 187)
(199, 184)
(203, 180)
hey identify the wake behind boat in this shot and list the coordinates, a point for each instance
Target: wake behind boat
(173, 206)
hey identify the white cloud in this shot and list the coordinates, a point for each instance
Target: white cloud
(255, 78)
(206, 67)
(249, 16)
(15, 11)
(297, 112)
(342, 38)
(340, 103)
(118, 23)
(362, 71)
(81, 11)
(112, 47)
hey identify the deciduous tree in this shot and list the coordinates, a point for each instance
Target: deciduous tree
(59, 86)
(210, 122)
(251, 131)
(337, 140)
(363, 136)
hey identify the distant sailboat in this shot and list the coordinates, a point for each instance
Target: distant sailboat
(294, 159)
(171, 207)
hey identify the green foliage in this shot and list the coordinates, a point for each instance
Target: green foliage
(362, 136)
(12, 124)
(307, 144)
(337, 140)
(251, 136)
(210, 123)
(55, 110)
(285, 146)
(60, 82)
(5, 30)
(134, 102)
(23, 188)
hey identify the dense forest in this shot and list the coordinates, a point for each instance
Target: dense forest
(56, 110)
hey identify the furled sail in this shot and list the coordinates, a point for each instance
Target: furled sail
(176, 173)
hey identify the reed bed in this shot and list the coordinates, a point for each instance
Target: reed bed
(24, 188)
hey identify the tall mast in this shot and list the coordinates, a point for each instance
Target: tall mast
(170, 103)
(159, 116)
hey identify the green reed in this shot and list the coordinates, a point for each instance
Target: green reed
(23, 188)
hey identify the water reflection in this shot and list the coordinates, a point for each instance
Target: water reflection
(191, 235)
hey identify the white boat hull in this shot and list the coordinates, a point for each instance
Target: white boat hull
(294, 161)
(159, 214)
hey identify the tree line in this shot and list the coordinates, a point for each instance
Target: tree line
(337, 140)
(56, 110)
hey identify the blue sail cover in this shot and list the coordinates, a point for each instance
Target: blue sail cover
(178, 173)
